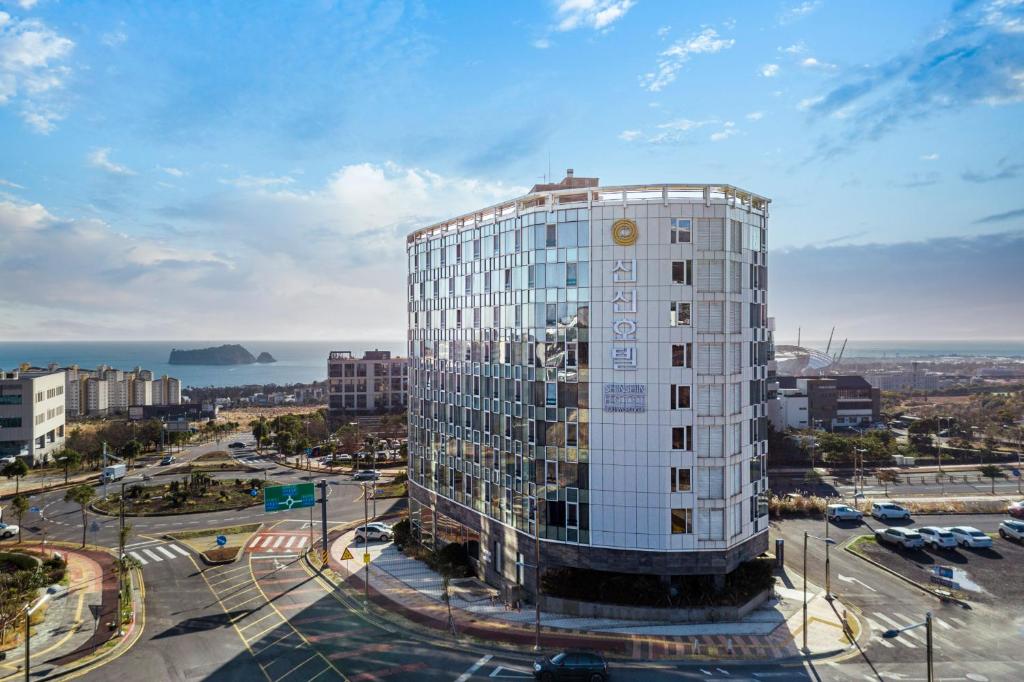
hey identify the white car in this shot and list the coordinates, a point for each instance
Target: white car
(8, 530)
(908, 539)
(4, 461)
(939, 538)
(1011, 529)
(373, 531)
(968, 536)
(889, 510)
(841, 512)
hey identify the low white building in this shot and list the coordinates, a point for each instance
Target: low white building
(31, 414)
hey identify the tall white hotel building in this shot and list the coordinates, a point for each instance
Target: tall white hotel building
(592, 359)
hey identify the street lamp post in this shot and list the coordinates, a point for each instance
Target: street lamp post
(366, 550)
(827, 541)
(536, 568)
(927, 623)
(29, 610)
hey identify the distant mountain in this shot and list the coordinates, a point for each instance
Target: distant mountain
(228, 354)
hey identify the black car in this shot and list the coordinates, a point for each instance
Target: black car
(571, 665)
(167, 460)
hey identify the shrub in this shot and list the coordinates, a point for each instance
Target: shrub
(452, 560)
(402, 532)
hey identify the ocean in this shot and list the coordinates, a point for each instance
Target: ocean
(297, 361)
(306, 361)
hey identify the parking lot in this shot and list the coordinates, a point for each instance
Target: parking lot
(990, 575)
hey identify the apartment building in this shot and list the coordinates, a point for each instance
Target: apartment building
(588, 365)
(31, 414)
(374, 383)
(107, 390)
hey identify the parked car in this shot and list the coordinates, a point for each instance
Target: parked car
(908, 539)
(939, 538)
(1011, 530)
(968, 536)
(4, 461)
(889, 510)
(841, 512)
(571, 665)
(1016, 510)
(169, 459)
(8, 530)
(237, 444)
(365, 475)
(373, 531)
(344, 457)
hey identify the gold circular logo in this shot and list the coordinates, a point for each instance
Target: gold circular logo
(625, 232)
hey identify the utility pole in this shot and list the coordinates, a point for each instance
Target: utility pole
(323, 516)
(928, 633)
(536, 568)
(805, 592)
(366, 551)
(104, 469)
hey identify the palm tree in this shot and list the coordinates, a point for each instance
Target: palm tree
(19, 505)
(260, 431)
(992, 472)
(82, 494)
(16, 470)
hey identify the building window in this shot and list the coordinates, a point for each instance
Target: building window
(679, 397)
(679, 314)
(682, 272)
(682, 521)
(682, 355)
(680, 231)
(680, 480)
(682, 437)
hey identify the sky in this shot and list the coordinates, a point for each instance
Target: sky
(250, 170)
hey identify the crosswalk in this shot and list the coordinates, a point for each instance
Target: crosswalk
(912, 639)
(285, 542)
(153, 552)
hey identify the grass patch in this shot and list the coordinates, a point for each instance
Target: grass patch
(197, 492)
(858, 542)
(231, 530)
(399, 487)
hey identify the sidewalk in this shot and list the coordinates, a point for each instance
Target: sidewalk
(74, 631)
(406, 586)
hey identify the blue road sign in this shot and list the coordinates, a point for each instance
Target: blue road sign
(221, 541)
(254, 492)
(34, 510)
(309, 452)
(1016, 472)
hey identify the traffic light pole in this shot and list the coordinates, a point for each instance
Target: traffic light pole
(323, 516)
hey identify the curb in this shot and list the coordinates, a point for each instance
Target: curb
(910, 581)
(225, 562)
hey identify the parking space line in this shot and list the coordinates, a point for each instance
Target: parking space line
(243, 602)
(260, 620)
(295, 668)
(277, 641)
(318, 675)
(266, 630)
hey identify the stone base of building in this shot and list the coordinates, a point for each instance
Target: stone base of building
(506, 558)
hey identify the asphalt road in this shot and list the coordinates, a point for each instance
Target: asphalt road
(983, 641)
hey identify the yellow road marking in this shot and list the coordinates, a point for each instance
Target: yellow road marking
(318, 675)
(296, 668)
(270, 629)
(237, 631)
(221, 574)
(301, 636)
(235, 606)
(257, 621)
(275, 642)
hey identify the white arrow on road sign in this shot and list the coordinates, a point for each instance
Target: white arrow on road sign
(849, 579)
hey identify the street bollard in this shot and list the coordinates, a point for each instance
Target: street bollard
(780, 550)
(728, 645)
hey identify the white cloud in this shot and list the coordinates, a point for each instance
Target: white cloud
(672, 59)
(727, 131)
(812, 63)
(176, 172)
(27, 4)
(31, 71)
(934, 156)
(114, 38)
(542, 43)
(994, 16)
(794, 49)
(100, 158)
(677, 130)
(799, 11)
(809, 102)
(663, 31)
(8, 183)
(596, 14)
(629, 135)
(770, 70)
(755, 116)
(247, 181)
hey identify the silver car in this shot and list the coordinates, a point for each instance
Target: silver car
(1011, 529)
(908, 539)
(968, 536)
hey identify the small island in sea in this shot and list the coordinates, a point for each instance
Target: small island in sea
(228, 354)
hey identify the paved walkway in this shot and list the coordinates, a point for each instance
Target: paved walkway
(409, 587)
(76, 620)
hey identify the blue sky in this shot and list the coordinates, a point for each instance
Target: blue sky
(199, 170)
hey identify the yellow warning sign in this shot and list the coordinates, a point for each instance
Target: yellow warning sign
(346, 555)
(366, 558)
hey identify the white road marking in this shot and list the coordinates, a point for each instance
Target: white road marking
(164, 550)
(277, 543)
(133, 545)
(254, 542)
(151, 554)
(291, 540)
(850, 579)
(301, 543)
(944, 625)
(957, 621)
(273, 556)
(514, 673)
(179, 550)
(267, 540)
(138, 558)
(724, 672)
(906, 633)
(473, 668)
